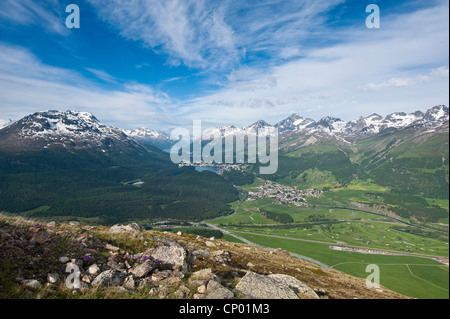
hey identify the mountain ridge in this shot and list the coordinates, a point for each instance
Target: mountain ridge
(73, 126)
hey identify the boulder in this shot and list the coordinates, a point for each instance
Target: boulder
(214, 290)
(93, 270)
(129, 283)
(299, 287)
(133, 227)
(203, 275)
(210, 244)
(257, 286)
(172, 253)
(52, 278)
(32, 284)
(109, 278)
(142, 270)
(201, 252)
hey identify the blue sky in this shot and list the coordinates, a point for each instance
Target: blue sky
(161, 64)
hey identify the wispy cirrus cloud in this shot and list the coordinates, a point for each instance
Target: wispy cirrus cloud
(215, 35)
(102, 75)
(192, 32)
(42, 14)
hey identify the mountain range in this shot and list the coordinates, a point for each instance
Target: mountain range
(349, 131)
(81, 129)
(70, 164)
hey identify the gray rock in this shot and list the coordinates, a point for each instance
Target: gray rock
(64, 260)
(112, 248)
(203, 275)
(93, 270)
(222, 253)
(179, 294)
(128, 228)
(109, 278)
(210, 244)
(299, 287)
(146, 283)
(214, 290)
(117, 266)
(32, 284)
(52, 278)
(142, 270)
(172, 253)
(201, 289)
(51, 224)
(201, 252)
(257, 286)
(129, 283)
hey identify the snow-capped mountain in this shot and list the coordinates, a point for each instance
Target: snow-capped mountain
(75, 130)
(358, 128)
(220, 131)
(144, 133)
(158, 139)
(57, 129)
(4, 123)
(294, 122)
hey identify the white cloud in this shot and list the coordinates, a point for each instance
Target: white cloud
(43, 14)
(436, 74)
(190, 31)
(102, 75)
(28, 86)
(403, 51)
(215, 34)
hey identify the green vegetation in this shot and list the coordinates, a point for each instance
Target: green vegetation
(278, 217)
(238, 177)
(201, 231)
(394, 273)
(86, 184)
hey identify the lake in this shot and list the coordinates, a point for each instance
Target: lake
(205, 168)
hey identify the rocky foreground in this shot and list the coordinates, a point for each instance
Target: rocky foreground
(51, 260)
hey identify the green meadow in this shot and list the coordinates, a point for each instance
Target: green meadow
(427, 278)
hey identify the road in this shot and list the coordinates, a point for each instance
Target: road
(390, 252)
(267, 248)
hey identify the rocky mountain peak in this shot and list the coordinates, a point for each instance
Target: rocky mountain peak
(61, 129)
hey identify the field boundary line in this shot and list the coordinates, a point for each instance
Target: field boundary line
(424, 279)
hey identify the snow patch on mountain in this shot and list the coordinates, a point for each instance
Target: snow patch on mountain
(4, 123)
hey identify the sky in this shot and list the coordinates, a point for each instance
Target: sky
(162, 64)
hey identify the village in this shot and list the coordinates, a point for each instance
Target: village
(284, 195)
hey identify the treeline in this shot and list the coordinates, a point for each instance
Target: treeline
(100, 190)
(205, 232)
(317, 218)
(278, 217)
(238, 178)
(421, 232)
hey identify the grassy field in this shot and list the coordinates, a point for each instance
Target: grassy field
(429, 279)
(316, 227)
(344, 226)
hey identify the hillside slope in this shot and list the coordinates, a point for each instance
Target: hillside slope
(128, 262)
